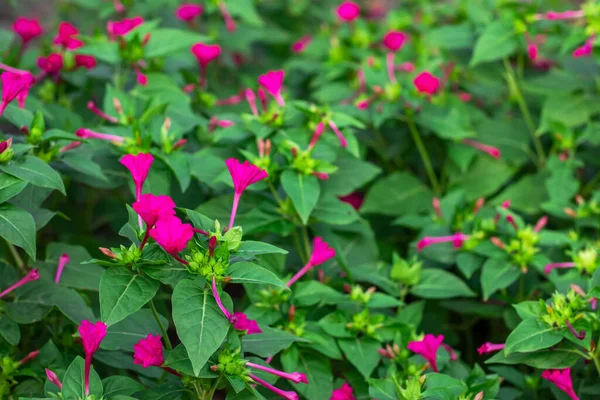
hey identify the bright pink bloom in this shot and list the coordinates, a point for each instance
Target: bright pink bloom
(51, 64)
(91, 337)
(586, 49)
(561, 378)
(15, 86)
(289, 395)
(152, 208)
(491, 150)
(138, 166)
(457, 240)
(32, 275)
(345, 392)
(338, 133)
(243, 175)
(187, 12)
(205, 53)
(348, 11)
(489, 347)
(554, 15)
(532, 51)
(242, 323)
(295, 377)
(66, 36)
(62, 262)
(87, 62)
(549, 267)
(321, 253)
(394, 40)
(425, 82)
(272, 81)
(427, 348)
(52, 377)
(301, 44)
(27, 29)
(171, 234)
(90, 134)
(123, 27)
(354, 199)
(148, 352)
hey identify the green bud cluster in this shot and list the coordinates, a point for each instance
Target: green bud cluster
(405, 273)
(364, 323)
(563, 307)
(200, 262)
(523, 248)
(297, 325)
(231, 363)
(412, 389)
(272, 298)
(586, 260)
(129, 256)
(8, 368)
(361, 296)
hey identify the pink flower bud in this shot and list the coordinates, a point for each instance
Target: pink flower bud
(348, 11)
(426, 83)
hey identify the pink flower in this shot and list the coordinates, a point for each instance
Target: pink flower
(532, 51)
(394, 40)
(66, 36)
(53, 378)
(489, 347)
(345, 392)
(138, 166)
(272, 81)
(554, 15)
(6, 144)
(491, 150)
(242, 323)
(586, 49)
(457, 240)
(561, 378)
(427, 348)
(354, 199)
(152, 208)
(91, 337)
(51, 64)
(32, 355)
(425, 82)
(87, 62)
(348, 11)
(187, 12)
(549, 267)
(338, 133)
(300, 45)
(229, 22)
(90, 134)
(32, 275)
(148, 352)
(15, 86)
(62, 262)
(205, 53)
(295, 377)
(27, 29)
(243, 175)
(289, 395)
(123, 27)
(321, 253)
(316, 135)
(171, 234)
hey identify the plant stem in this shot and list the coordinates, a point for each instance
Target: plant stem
(424, 155)
(515, 89)
(299, 247)
(17, 257)
(160, 325)
(214, 388)
(306, 241)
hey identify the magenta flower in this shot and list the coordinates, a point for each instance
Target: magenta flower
(66, 37)
(85, 61)
(123, 27)
(15, 86)
(90, 134)
(272, 81)
(316, 135)
(138, 166)
(301, 44)
(93, 108)
(242, 323)
(32, 275)
(491, 150)
(426, 83)
(172, 235)
(188, 12)
(295, 377)
(554, 15)
(243, 175)
(152, 208)
(532, 51)
(229, 22)
(338, 133)
(586, 49)
(348, 11)
(52, 377)
(6, 144)
(62, 262)
(561, 378)
(221, 123)
(321, 253)
(51, 64)
(549, 267)
(27, 29)
(457, 240)
(394, 40)
(205, 54)
(489, 347)
(91, 337)
(540, 224)
(289, 395)
(251, 98)
(148, 352)
(345, 392)
(427, 348)
(354, 199)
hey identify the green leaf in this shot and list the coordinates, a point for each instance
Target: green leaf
(10, 186)
(310, 293)
(71, 304)
(333, 211)
(398, 194)
(73, 387)
(124, 334)
(468, 263)
(35, 171)
(20, 117)
(250, 249)
(436, 380)
(200, 323)
(498, 40)
(545, 359)
(451, 37)
(303, 190)
(382, 389)
(439, 284)
(247, 272)
(485, 176)
(531, 335)
(351, 175)
(33, 302)
(18, 227)
(122, 293)
(120, 386)
(361, 353)
(9, 330)
(166, 41)
(497, 274)
(451, 124)
(268, 343)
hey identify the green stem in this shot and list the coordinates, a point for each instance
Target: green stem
(521, 288)
(306, 242)
(160, 325)
(299, 247)
(214, 388)
(17, 257)
(424, 155)
(516, 91)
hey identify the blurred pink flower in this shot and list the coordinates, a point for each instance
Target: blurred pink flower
(348, 11)
(52, 377)
(51, 64)
(32, 275)
(427, 348)
(491, 150)
(63, 260)
(272, 81)
(27, 29)
(427, 83)
(489, 347)
(148, 352)
(123, 27)
(345, 392)
(586, 49)
(295, 377)
(301, 44)
(66, 37)
(188, 12)
(15, 86)
(85, 61)
(289, 395)
(457, 240)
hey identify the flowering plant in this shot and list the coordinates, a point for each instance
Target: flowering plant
(292, 199)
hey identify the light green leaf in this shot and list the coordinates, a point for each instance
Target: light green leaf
(166, 41)
(361, 353)
(303, 190)
(268, 343)
(35, 171)
(439, 284)
(247, 272)
(73, 387)
(398, 194)
(498, 40)
(531, 335)
(18, 227)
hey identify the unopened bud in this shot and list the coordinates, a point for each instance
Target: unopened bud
(117, 105)
(497, 242)
(347, 288)
(214, 368)
(292, 313)
(437, 206)
(294, 152)
(396, 348)
(268, 147)
(179, 144)
(422, 379)
(579, 199)
(479, 396)
(570, 212)
(478, 204)
(371, 290)
(146, 39)
(226, 279)
(107, 252)
(167, 124)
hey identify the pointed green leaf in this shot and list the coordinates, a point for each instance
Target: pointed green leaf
(18, 227)
(497, 274)
(531, 335)
(73, 387)
(361, 353)
(247, 272)
(303, 190)
(36, 172)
